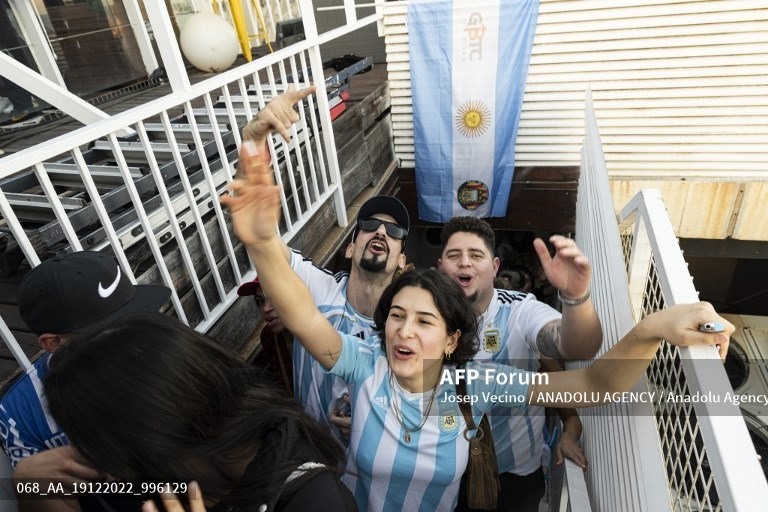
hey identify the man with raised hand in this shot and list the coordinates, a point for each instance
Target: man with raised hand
(516, 329)
(347, 299)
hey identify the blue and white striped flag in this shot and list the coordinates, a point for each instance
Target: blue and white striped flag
(469, 64)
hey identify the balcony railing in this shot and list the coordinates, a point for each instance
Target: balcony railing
(659, 455)
(159, 168)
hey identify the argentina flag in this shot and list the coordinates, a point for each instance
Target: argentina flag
(469, 64)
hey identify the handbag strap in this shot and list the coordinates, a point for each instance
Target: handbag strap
(466, 408)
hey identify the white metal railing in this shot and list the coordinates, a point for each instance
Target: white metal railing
(574, 496)
(98, 191)
(619, 428)
(656, 456)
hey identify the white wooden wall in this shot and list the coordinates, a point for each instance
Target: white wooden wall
(680, 89)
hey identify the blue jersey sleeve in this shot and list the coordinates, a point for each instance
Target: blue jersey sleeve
(356, 361)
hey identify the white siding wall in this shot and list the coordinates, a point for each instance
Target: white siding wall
(680, 91)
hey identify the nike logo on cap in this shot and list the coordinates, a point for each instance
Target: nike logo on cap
(106, 292)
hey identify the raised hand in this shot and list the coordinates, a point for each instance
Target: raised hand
(569, 270)
(679, 325)
(254, 200)
(278, 115)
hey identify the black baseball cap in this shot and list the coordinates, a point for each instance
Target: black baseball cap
(71, 291)
(387, 205)
(248, 288)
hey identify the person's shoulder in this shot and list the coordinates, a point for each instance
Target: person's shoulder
(299, 260)
(508, 301)
(481, 366)
(506, 297)
(341, 277)
(504, 302)
(320, 492)
(371, 343)
(28, 383)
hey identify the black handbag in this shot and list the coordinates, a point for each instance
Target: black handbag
(481, 477)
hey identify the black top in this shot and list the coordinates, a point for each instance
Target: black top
(285, 449)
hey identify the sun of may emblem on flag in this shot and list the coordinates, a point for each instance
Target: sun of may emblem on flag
(473, 118)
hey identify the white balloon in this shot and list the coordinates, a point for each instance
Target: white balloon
(209, 42)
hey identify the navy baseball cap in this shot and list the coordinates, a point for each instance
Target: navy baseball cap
(71, 291)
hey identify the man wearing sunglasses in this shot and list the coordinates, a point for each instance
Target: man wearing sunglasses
(347, 299)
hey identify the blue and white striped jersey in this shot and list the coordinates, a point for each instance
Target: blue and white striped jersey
(26, 427)
(320, 393)
(508, 331)
(384, 472)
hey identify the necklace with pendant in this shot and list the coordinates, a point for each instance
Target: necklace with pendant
(408, 431)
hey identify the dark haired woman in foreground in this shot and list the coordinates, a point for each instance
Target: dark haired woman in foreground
(147, 399)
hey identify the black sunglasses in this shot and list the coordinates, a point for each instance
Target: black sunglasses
(372, 224)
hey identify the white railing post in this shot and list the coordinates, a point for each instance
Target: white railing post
(13, 346)
(635, 480)
(316, 65)
(639, 262)
(577, 494)
(38, 41)
(168, 46)
(350, 11)
(133, 12)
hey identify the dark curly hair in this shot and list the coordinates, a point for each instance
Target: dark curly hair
(450, 301)
(468, 225)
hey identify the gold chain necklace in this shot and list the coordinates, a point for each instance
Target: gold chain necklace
(409, 431)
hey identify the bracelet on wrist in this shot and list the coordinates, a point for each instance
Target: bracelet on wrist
(574, 302)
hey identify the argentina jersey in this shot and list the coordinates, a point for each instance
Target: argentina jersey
(387, 471)
(318, 392)
(507, 335)
(26, 428)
